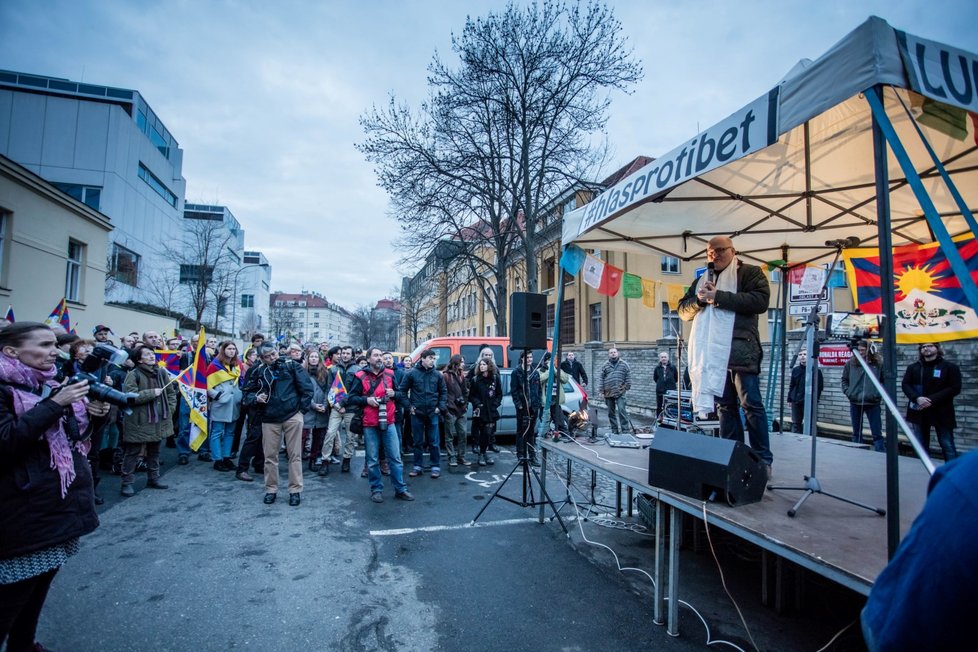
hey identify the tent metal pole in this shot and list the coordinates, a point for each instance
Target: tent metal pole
(808, 176)
(888, 332)
(784, 331)
(554, 359)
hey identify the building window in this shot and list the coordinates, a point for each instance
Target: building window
(551, 314)
(671, 326)
(125, 266)
(222, 306)
(88, 195)
(247, 301)
(670, 265)
(549, 273)
(153, 182)
(773, 316)
(775, 276)
(192, 273)
(316, 315)
(570, 205)
(4, 226)
(567, 320)
(594, 316)
(76, 254)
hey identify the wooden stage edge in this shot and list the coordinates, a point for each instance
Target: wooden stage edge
(839, 541)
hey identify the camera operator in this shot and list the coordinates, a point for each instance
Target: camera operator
(44, 433)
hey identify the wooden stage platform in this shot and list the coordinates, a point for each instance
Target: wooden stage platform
(839, 541)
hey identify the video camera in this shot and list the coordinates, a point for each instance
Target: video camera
(93, 369)
(853, 327)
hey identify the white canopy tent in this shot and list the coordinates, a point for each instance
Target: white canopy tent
(805, 164)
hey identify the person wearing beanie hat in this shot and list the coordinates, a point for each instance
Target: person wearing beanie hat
(931, 384)
(101, 333)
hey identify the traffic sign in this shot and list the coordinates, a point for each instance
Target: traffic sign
(806, 308)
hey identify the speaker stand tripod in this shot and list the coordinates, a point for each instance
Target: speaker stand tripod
(528, 500)
(812, 486)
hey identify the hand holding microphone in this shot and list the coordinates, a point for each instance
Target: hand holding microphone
(706, 292)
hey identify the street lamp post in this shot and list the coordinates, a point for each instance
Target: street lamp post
(235, 299)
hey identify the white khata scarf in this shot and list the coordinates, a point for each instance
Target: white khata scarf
(709, 345)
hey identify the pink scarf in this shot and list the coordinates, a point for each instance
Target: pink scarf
(13, 370)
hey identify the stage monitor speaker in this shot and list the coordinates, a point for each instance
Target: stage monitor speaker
(704, 467)
(528, 320)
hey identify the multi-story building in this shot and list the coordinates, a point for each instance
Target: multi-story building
(210, 262)
(107, 148)
(385, 321)
(308, 316)
(54, 246)
(250, 311)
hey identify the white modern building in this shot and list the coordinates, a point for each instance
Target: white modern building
(107, 148)
(213, 246)
(250, 313)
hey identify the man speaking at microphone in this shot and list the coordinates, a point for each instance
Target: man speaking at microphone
(725, 346)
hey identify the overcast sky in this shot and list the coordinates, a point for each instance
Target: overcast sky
(264, 97)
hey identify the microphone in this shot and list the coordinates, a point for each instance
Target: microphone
(711, 272)
(851, 241)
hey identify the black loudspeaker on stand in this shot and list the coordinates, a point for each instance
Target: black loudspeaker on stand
(528, 320)
(705, 468)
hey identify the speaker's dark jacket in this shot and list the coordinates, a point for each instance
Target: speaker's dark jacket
(751, 299)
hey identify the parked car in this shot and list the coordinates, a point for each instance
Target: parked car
(575, 399)
(470, 348)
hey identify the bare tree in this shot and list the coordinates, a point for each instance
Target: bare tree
(206, 266)
(282, 321)
(163, 289)
(360, 320)
(501, 136)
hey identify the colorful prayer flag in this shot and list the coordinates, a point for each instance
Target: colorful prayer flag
(631, 287)
(648, 292)
(572, 259)
(593, 271)
(193, 388)
(930, 302)
(674, 293)
(610, 280)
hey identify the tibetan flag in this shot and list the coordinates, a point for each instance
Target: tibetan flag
(593, 271)
(169, 360)
(631, 286)
(572, 259)
(55, 316)
(930, 303)
(193, 388)
(610, 280)
(674, 294)
(337, 391)
(649, 288)
(10, 315)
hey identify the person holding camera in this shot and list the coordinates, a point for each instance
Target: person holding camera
(374, 392)
(151, 419)
(46, 492)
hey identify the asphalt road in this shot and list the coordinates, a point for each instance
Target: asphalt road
(205, 565)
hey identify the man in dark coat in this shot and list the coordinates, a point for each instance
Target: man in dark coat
(527, 399)
(665, 378)
(931, 384)
(797, 391)
(751, 298)
(574, 368)
(427, 396)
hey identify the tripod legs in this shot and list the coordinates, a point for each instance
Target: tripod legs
(812, 487)
(528, 474)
